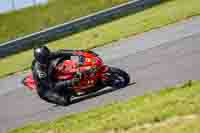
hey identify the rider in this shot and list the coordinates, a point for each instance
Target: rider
(42, 69)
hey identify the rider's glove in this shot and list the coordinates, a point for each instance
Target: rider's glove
(75, 81)
(78, 75)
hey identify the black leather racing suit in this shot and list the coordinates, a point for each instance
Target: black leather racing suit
(47, 88)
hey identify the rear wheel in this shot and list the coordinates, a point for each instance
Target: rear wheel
(118, 78)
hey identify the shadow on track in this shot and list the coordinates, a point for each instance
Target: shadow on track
(96, 94)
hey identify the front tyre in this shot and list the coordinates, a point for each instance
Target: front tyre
(118, 78)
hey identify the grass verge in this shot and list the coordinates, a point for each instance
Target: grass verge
(173, 109)
(32, 19)
(158, 16)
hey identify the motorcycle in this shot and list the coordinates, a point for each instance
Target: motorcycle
(95, 74)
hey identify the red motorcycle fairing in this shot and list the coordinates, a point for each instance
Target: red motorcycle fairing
(66, 70)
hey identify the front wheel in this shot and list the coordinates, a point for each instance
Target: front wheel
(118, 78)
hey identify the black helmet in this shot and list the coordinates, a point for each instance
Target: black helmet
(41, 54)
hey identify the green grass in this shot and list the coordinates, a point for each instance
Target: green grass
(184, 124)
(158, 16)
(174, 109)
(29, 20)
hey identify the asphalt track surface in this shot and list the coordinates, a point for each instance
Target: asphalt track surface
(155, 59)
